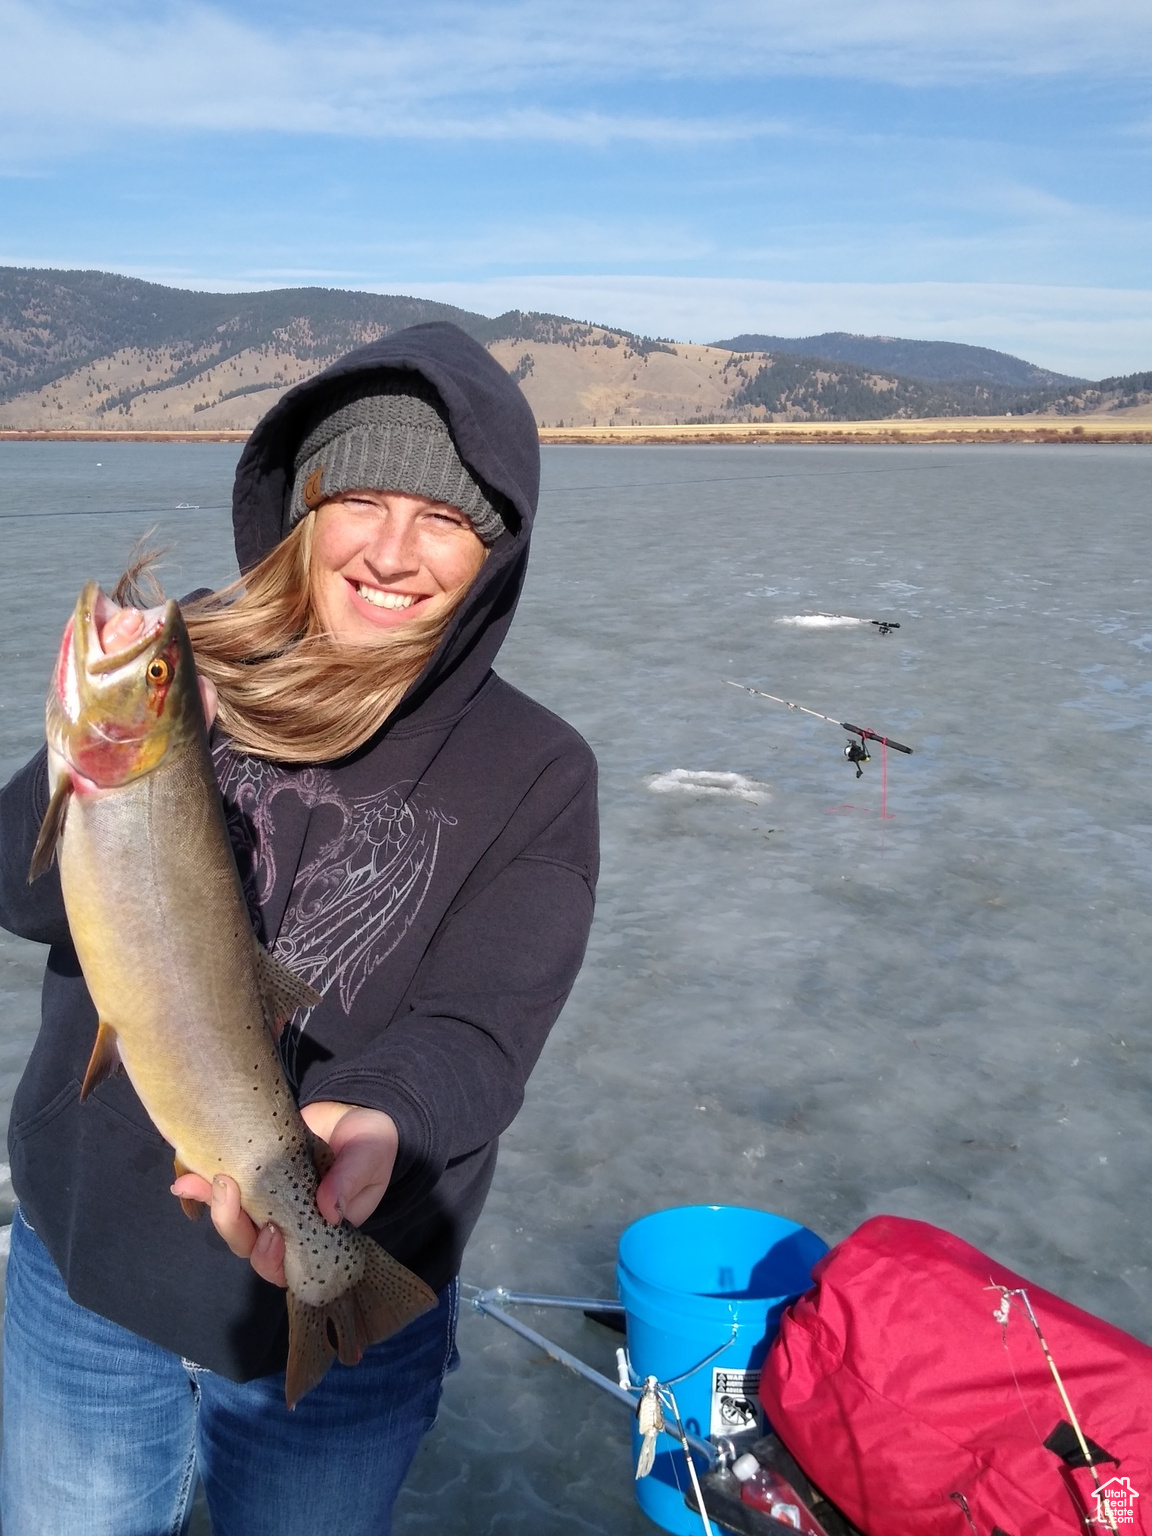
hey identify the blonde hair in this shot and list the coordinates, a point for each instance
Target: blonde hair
(287, 689)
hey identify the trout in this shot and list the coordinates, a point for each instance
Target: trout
(189, 1002)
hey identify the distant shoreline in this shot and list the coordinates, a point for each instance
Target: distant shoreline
(80, 435)
(970, 429)
(974, 429)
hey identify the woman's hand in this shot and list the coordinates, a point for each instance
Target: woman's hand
(364, 1143)
(126, 626)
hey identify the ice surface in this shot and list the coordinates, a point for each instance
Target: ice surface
(789, 1004)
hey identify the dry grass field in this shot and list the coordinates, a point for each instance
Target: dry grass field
(1115, 427)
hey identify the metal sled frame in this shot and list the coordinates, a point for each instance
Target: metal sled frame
(492, 1303)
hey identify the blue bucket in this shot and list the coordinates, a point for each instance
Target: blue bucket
(703, 1288)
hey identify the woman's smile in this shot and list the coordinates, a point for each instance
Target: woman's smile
(381, 599)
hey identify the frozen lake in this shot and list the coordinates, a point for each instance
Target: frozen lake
(787, 1002)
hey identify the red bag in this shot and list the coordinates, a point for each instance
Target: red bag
(921, 1408)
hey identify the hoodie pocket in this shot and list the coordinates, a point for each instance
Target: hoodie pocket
(45, 1115)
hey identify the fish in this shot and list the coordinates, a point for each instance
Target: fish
(189, 1003)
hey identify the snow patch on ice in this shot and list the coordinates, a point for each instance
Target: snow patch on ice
(820, 620)
(692, 781)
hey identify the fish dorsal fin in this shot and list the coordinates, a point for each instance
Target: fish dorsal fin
(51, 829)
(281, 991)
(104, 1060)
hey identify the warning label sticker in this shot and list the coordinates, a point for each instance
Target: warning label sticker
(735, 1402)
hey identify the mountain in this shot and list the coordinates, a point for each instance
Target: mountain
(94, 350)
(53, 323)
(942, 361)
(83, 350)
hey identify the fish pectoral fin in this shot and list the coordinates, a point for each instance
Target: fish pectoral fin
(104, 1060)
(386, 1298)
(281, 991)
(193, 1209)
(51, 829)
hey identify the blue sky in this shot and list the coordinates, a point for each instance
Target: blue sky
(976, 170)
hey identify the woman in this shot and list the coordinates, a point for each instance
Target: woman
(418, 840)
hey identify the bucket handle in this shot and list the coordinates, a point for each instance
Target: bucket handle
(673, 1381)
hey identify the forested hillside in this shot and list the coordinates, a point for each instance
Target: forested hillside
(946, 362)
(805, 388)
(53, 322)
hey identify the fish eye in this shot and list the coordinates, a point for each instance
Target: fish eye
(158, 670)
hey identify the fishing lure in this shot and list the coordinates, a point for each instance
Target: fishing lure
(650, 1419)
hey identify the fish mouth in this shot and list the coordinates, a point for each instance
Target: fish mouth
(93, 610)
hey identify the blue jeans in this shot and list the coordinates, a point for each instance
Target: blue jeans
(104, 1433)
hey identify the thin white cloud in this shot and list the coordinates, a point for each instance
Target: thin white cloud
(896, 40)
(1016, 200)
(503, 70)
(200, 69)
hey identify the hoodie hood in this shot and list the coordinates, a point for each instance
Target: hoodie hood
(494, 431)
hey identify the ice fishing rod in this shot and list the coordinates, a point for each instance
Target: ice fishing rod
(856, 752)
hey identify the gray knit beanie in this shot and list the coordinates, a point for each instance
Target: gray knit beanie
(389, 434)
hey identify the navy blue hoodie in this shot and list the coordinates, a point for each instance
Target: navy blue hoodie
(436, 887)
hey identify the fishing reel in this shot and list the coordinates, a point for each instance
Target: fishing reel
(857, 752)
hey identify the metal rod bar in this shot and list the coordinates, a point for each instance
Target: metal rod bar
(562, 1357)
(505, 1298)
(554, 1351)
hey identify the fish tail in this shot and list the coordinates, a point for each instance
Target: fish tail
(386, 1298)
